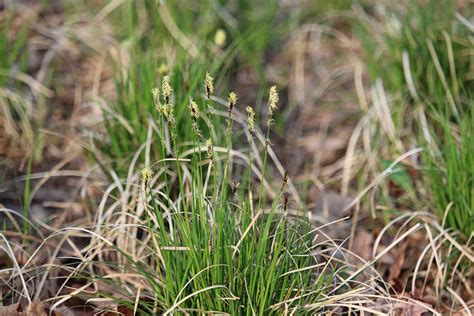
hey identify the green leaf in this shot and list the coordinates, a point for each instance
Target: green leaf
(399, 176)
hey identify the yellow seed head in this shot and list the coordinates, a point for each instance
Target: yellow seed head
(251, 118)
(163, 69)
(273, 99)
(166, 109)
(209, 85)
(147, 174)
(166, 88)
(232, 100)
(156, 98)
(196, 130)
(193, 107)
(210, 149)
(168, 112)
(220, 38)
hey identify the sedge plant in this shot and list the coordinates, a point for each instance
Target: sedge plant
(422, 64)
(211, 244)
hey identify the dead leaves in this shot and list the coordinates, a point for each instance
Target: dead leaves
(362, 245)
(416, 309)
(11, 310)
(38, 308)
(35, 308)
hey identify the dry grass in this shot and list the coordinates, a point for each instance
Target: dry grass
(97, 247)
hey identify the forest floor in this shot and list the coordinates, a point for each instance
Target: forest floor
(338, 179)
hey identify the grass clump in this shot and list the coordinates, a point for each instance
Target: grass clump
(209, 244)
(452, 172)
(22, 98)
(227, 257)
(422, 49)
(211, 225)
(167, 39)
(133, 116)
(422, 64)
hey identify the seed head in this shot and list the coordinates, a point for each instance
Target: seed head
(196, 130)
(147, 174)
(234, 186)
(168, 112)
(156, 98)
(163, 69)
(286, 200)
(209, 85)
(285, 181)
(232, 100)
(251, 118)
(220, 38)
(210, 149)
(273, 99)
(193, 107)
(166, 89)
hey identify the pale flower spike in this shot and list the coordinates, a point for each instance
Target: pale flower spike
(166, 89)
(210, 149)
(220, 38)
(156, 98)
(147, 174)
(273, 99)
(193, 107)
(251, 118)
(209, 85)
(232, 100)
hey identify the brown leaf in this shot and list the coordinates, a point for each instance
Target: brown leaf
(417, 309)
(396, 268)
(11, 310)
(362, 245)
(125, 310)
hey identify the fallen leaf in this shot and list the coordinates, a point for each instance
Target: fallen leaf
(396, 268)
(362, 245)
(415, 309)
(125, 310)
(11, 310)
